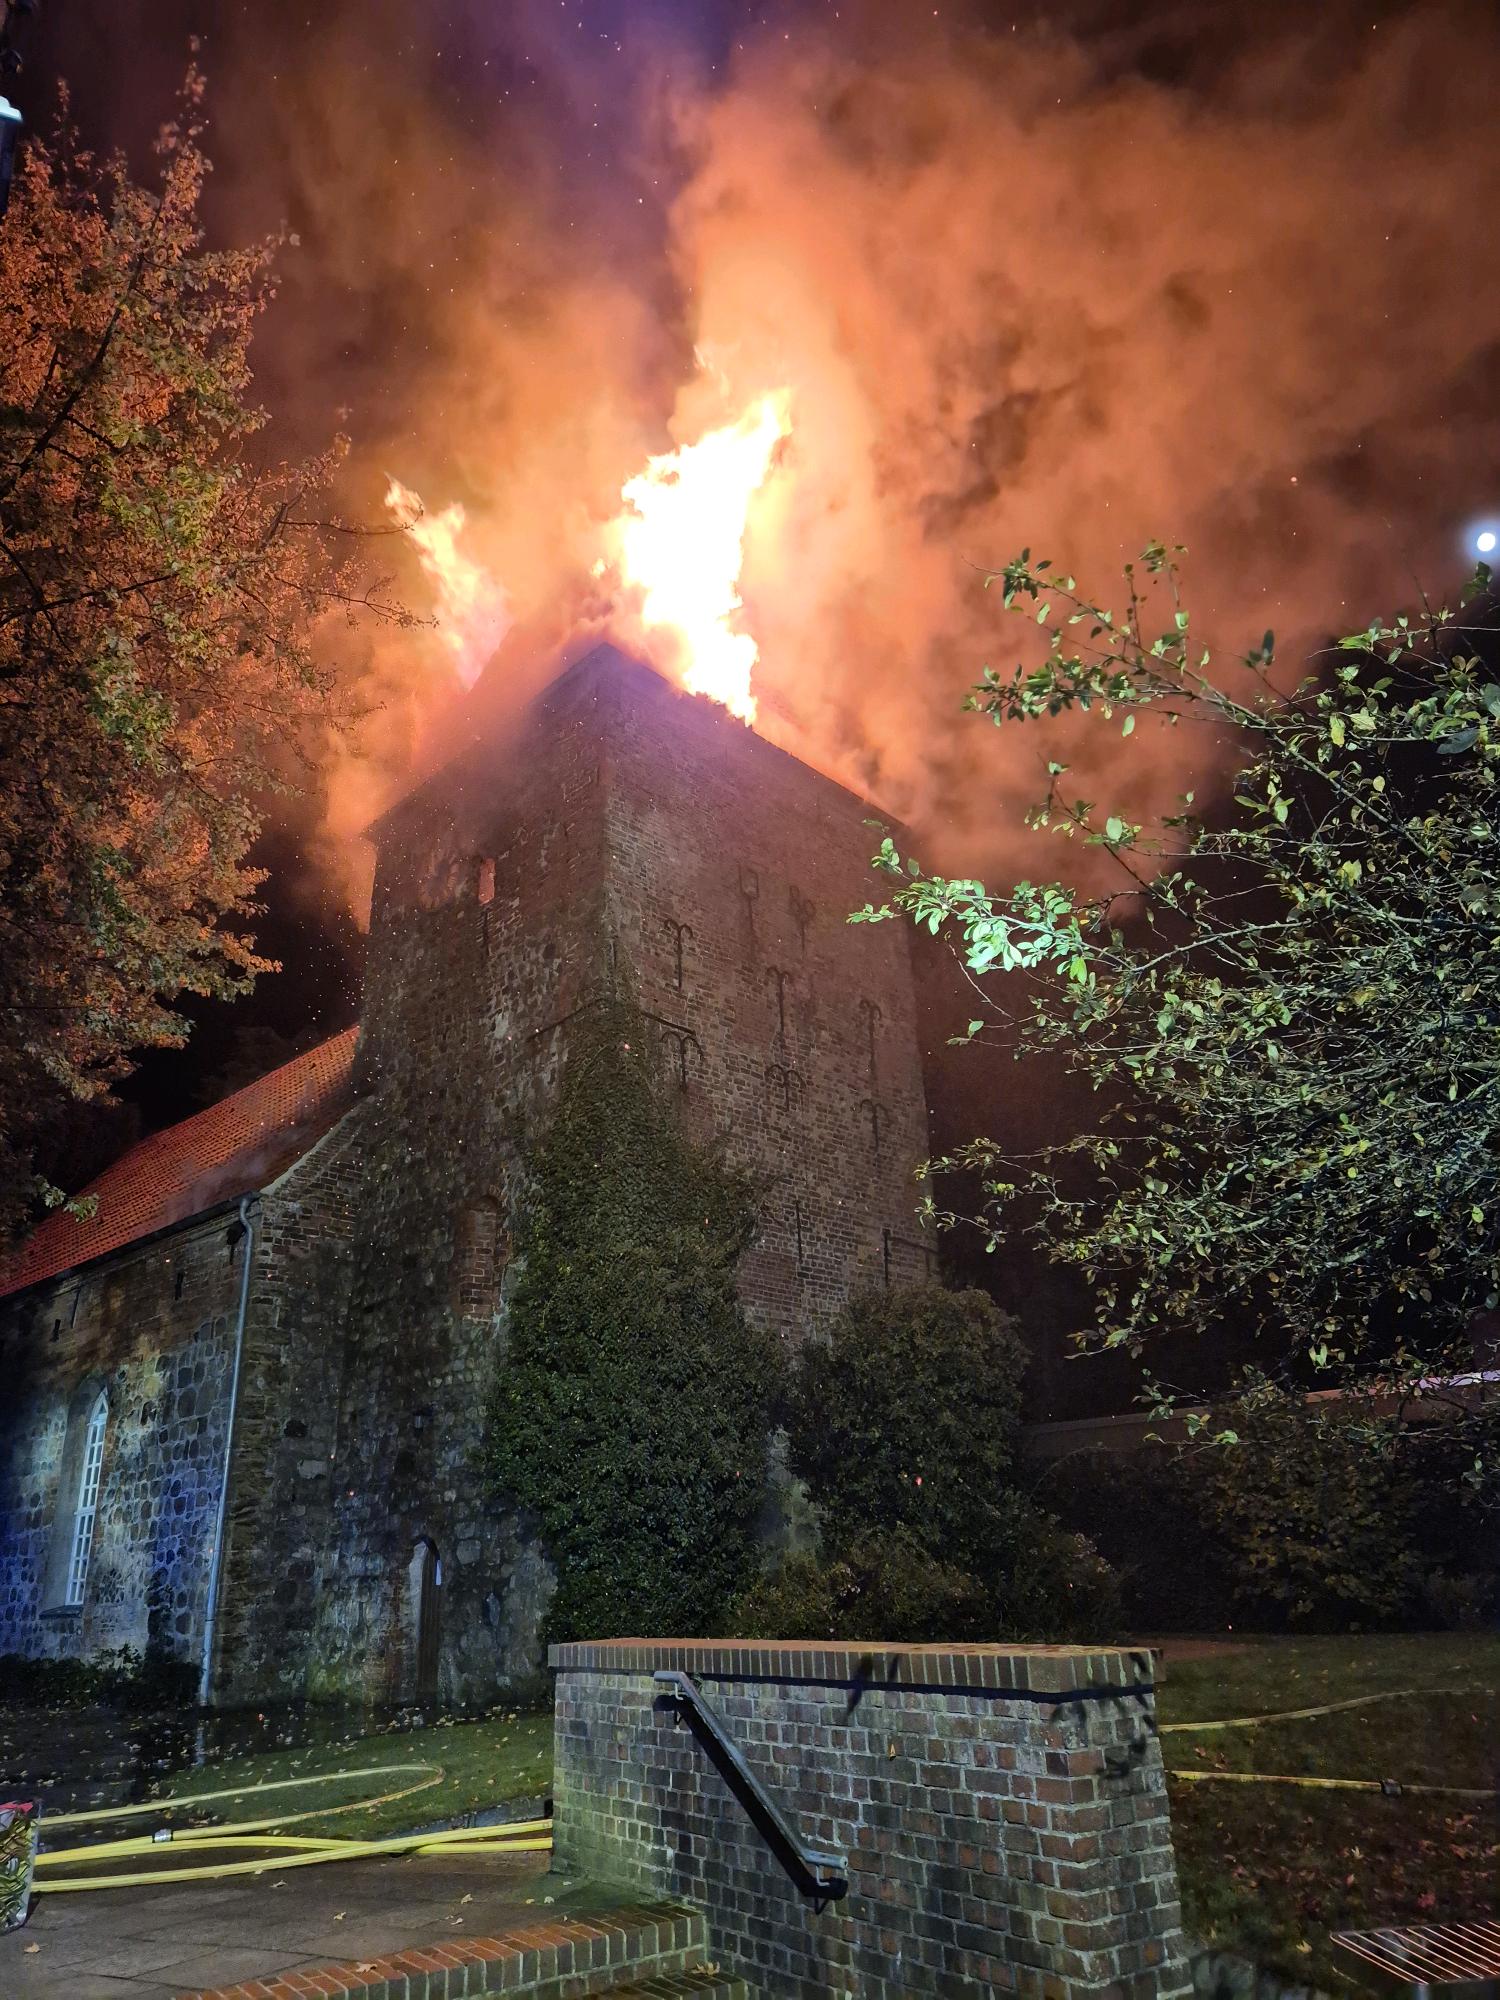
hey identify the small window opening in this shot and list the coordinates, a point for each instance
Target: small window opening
(88, 1501)
(485, 881)
(480, 1253)
(177, 1284)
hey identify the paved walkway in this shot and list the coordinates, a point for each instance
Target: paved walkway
(152, 1944)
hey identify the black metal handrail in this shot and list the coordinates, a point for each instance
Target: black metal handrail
(818, 1872)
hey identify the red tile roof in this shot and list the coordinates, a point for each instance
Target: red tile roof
(240, 1143)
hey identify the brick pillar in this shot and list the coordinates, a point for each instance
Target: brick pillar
(1002, 1811)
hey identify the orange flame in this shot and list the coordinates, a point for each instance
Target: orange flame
(680, 541)
(473, 612)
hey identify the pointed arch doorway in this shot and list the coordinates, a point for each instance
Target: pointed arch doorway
(424, 1599)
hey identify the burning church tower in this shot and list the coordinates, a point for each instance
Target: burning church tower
(623, 830)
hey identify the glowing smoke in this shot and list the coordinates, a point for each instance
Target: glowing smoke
(1019, 293)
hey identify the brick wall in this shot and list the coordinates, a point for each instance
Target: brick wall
(1002, 1812)
(473, 973)
(789, 1033)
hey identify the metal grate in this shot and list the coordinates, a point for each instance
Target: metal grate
(1459, 1958)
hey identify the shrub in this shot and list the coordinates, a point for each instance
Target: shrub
(908, 1417)
(880, 1587)
(1318, 1517)
(1466, 1602)
(1318, 1510)
(1146, 1510)
(1058, 1585)
(123, 1678)
(633, 1410)
(1054, 1586)
(905, 1424)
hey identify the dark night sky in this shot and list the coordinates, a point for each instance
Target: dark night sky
(1214, 271)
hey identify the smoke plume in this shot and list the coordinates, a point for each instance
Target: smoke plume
(1222, 280)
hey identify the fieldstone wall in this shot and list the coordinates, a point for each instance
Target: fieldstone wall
(279, 1526)
(1002, 1811)
(153, 1327)
(623, 830)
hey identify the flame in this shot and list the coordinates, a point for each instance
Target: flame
(680, 541)
(473, 611)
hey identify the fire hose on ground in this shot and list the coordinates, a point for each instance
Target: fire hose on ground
(1389, 1787)
(272, 1850)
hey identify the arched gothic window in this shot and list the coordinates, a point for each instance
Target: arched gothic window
(87, 1504)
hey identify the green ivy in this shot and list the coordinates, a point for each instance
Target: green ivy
(633, 1412)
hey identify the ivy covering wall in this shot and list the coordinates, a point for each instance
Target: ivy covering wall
(633, 1410)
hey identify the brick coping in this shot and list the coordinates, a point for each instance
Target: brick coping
(1018, 1670)
(551, 1949)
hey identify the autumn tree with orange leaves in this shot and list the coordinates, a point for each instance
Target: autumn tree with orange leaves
(163, 589)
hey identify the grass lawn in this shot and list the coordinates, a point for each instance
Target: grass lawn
(1270, 1870)
(506, 1756)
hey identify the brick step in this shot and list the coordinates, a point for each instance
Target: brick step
(562, 1958)
(704, 1985)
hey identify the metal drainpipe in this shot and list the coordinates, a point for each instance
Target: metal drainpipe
(215, 1573)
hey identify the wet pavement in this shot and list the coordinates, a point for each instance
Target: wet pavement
(153, 1944)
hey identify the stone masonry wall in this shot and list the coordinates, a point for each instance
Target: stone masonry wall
(624, 831)
(486, 935)
(1002, 1812)
(279, 1523)
(153, 1326)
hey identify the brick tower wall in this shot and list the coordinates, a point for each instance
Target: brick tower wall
(621, 820)
(485, 935)
(791, 1032)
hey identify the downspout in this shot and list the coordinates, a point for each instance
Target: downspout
(215, 1574)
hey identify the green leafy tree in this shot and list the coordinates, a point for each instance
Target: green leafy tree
(1286, 1010)
(162, 583)
(633, 1410)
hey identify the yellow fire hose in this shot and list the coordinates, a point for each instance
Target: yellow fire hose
(1389, 1786)
(1303, 1714)
(278, 1851)
(434, 1775)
